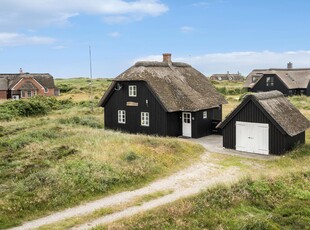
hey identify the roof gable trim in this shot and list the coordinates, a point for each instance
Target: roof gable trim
(23, 78)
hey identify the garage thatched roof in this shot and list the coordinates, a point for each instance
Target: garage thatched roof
(177, 85)
(278, 108)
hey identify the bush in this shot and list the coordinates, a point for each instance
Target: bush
(65, 88)
(35, 106)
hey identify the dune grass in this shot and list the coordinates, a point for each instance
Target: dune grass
(64, 158)
(78, 89)
(270, 203)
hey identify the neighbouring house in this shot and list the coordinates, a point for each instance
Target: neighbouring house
(24, 85)
(162, 98)
(289, 81)
(265, 123)
(227, 77)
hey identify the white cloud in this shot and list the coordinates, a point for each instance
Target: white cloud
(32, 13)
(15, 39)
(114, 34)
(187, 29)
(244, 62)
(116, 19)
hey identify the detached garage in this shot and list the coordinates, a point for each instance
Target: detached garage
(264, 123)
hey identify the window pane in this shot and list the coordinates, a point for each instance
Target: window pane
(132, 90)
(145, 119)
(205, 115)
(121, 116)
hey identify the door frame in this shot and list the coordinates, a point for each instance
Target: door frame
(187, 127)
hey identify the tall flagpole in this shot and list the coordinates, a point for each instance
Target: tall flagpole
(91, 81)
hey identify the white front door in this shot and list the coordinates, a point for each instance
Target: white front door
(187, 124)
(252, 137)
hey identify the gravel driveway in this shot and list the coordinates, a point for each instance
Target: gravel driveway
(189, 181)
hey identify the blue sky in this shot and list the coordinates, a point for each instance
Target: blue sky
(214, 36)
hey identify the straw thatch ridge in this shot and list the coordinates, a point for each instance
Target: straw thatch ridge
(178, 86)
(160, 64)
(278, 108)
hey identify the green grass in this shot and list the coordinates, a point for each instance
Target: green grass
(79, 89)
(62, 159)
(269, 203)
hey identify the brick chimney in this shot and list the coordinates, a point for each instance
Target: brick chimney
(167, 57)
(290, 65)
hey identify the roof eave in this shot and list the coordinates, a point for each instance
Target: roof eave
(107, 95)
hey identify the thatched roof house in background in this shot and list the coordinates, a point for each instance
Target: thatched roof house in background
(266, 123)
(227, 77)
(164, 98)
(289, 81)
(24, 85)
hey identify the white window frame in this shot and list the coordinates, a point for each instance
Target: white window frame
(45, 90)
(270, 81)
(132, 90)
(145, 119)
(121, 116)
(205, 114)
(22, 94)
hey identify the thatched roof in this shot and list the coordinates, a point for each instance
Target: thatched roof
(177, 85)
(226, 77)
(8, 81)
(292, 78)
(278, 108)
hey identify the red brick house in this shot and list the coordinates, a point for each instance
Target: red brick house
(24, 85)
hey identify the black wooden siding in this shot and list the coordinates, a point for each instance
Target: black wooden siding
(174, 124)
(118, 100)
(261, 85)
(204, 127)
(278, 142)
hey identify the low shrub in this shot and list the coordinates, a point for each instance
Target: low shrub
(35, 106)
(65, 88)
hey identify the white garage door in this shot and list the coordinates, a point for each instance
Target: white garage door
(252, 137)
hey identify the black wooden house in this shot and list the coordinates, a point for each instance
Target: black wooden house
(265, 123)
(290, 81)
(162, 98)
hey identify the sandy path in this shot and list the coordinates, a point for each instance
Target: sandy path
(184, 183)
